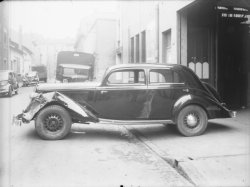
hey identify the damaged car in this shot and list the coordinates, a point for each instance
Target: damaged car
(128, 94)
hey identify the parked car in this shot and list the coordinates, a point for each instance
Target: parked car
(42, 72)
(128, 94)
(30, 78)
(19, 78)
(8, 82)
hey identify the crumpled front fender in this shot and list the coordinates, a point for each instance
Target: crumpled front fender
(42, 100)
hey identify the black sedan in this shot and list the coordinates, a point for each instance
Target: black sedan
(128, 94)
(8, 82)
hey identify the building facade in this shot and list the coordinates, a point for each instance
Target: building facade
(16, 57)
(21, 58)
(45, 52)
(4, 36)
(99, 39)
(210, 37)
(21, 52)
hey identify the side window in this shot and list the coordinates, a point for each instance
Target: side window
(164, 76)
(127, 77)
(156, 77)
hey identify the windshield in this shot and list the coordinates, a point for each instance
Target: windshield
(72, 71)
(31, 74)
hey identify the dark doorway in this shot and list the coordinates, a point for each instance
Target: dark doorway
(233, 37)
(218, 44)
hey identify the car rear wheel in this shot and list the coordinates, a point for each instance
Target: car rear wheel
(192, 121)
(53, 123)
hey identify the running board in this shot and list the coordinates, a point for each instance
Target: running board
(135, 122)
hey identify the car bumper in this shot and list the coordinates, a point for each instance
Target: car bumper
(226, 113)
(220, 112)
(233, 114)
(27, 115)
(17, 120)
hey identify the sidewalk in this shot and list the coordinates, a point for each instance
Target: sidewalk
(220, 157)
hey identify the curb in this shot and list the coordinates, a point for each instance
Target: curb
(181, 165)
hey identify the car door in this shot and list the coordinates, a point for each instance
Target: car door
(164, 88)
(122, 95)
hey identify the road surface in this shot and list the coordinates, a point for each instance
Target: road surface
(92, 155)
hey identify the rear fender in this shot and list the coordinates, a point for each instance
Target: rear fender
(42, 100)
(207, 104)
(180, 103)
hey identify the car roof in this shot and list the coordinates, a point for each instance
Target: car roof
(145, 65)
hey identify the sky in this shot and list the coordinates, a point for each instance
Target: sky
(54, 19)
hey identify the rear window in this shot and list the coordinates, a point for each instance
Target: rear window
(164, 76)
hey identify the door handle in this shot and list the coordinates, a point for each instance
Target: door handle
(104, 91)
(185, 90)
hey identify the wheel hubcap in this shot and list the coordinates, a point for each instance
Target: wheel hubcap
(191, 120)
(53, 122)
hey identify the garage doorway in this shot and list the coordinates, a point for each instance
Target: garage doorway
(233, 46)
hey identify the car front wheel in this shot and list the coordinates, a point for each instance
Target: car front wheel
(53, 123)
(10, 92)
(192, 121)
(16, 91)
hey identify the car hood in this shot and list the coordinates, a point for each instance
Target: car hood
(47, 87)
